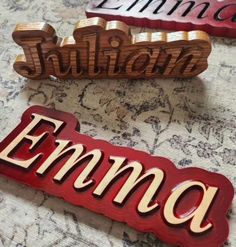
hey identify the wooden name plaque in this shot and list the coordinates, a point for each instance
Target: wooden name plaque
(185, 207)
(100, 49)
(215, 17)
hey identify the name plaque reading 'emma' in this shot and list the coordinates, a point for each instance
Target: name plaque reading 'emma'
(185, 207)
(100, 49)
(216, 17)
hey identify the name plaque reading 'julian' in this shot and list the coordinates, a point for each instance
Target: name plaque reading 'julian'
(100, 49)
(216, 17)
(183, 207)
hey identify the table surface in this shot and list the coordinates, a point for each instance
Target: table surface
(192, 122)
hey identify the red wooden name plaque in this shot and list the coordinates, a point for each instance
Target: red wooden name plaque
(185, 207)
(218, 18)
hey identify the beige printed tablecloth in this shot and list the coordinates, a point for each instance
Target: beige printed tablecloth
(192, 122)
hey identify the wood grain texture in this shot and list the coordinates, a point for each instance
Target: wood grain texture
(101, 49)
(193, 120)
(217, 18)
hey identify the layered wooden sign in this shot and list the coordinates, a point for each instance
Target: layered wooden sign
(185, 207)
(100, 49)
(216, 17)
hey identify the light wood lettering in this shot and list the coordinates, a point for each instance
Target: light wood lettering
(135, 178)
(196, 216)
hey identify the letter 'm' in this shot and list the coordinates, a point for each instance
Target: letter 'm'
(190, 7)
(133, 180)
(75, 158)
(146, 5)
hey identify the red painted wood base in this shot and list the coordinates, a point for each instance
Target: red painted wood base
(184, 207)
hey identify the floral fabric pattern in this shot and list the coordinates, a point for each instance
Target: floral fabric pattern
(191, 122)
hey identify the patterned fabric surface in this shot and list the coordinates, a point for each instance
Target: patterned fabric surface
(192, 122)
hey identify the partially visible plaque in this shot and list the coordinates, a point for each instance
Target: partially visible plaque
(218, 18)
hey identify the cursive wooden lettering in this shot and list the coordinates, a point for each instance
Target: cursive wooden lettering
(100, 49)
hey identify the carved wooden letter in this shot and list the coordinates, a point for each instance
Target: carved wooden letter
(100, 49)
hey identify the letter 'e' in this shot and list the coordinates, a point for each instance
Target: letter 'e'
(24, 135)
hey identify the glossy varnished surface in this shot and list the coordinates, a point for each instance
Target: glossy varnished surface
(218, 18)
(186, 207)
(193, 120)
